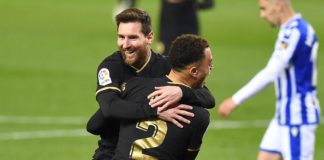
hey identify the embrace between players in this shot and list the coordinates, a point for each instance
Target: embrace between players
(138, 118)
(145, 114)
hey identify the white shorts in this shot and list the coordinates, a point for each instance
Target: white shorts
(291, 142)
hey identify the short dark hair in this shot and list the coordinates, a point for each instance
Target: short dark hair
(135, 15)
(185, 50)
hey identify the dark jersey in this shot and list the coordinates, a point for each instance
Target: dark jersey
(113, 72)
(179, 17)
(112, 75)
(155, 138)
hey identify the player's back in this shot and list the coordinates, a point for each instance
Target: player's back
(155, 138)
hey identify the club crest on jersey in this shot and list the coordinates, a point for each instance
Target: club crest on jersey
(283, 45)
(104, 77)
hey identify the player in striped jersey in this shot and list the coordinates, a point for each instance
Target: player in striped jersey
(293, 69)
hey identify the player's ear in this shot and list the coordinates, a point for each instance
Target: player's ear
(193, 71)
(150, 37)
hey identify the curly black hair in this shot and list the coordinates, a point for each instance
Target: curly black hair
(185, 50)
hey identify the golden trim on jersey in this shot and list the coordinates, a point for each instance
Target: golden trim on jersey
(138, 70)
(172, 82)
(179, 84)
(106, 88)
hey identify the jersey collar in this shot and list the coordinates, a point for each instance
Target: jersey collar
(296, 16)
(177, 83)
(145, 64)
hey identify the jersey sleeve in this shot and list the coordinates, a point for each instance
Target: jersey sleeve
(96, 123)
(108, 97)
(280, 59)
(122, 109)
(200, 97)
(286, 45)
(200, 125)
(108, 76)
(115, 106)
(107, 84)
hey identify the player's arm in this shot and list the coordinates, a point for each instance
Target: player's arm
(280, 59)
(96, 123)
(166, 96)
(108, 98)
(110, 103)
(112, 106)
(200, 97)
(199, 126)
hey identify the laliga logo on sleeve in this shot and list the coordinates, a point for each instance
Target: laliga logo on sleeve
(104, 77)
(284, 45)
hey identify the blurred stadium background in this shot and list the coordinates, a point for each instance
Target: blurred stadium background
(50, 50)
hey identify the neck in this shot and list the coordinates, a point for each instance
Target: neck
(181, 77)
(143, 63)
(287, 13)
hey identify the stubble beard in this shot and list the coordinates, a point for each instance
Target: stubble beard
(137, 59)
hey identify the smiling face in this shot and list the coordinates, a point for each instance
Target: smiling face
(133, 44)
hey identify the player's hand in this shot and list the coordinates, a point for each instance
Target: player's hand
(226, 107)
(165, 96)
(176, 115)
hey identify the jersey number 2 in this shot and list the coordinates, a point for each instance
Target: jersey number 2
(160, 130)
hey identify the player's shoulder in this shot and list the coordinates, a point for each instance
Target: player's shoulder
(296, 25)
(137, 80)
(202, 116)
(112, 62)
(145, 81)
(161, 62)
(113, 58)
(159, 57)
(138, 86)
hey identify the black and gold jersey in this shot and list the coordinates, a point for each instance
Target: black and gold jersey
(154, 138)
(113, 72)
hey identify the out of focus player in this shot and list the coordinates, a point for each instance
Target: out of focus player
(293, 69)
(179, 17)
(191, 61)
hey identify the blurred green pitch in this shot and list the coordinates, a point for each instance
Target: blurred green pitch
(50, 49)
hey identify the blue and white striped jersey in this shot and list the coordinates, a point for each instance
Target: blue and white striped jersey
(293, 69)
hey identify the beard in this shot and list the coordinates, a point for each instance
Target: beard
(135, 57)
